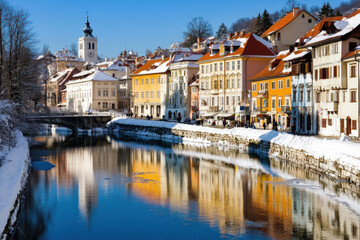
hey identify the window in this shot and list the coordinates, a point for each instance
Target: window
(136, 95)
(113, 74)
(238, 64)
(215, 84)
(261, 86)
(93, 45)
(207, 68)
(335, 71)
(147, 81)
(233, 65)
(318, 97)
(280, 84)
(301, 95)
(215, 67)
(324, 73)
(233, 83)
(330, 122)
(353, 96)
(227, 66)
(303, 16)
(323, 123)
(273, 103)
(316, 74)
(221, 84)
(89, 45)
(238, 82)
(158, 94)
(344, 96)
(287, 82)
(152, 80)
(278, 36)
(308, 95)
(334, 48)
(142, 81)
(227, 83)
(221, 66)
(99, 92)
(142, 94)
(147, 94)
(309, 20)
(294, 95)
(152, 94)
(273, 85)
(353, 124)
(194, 90)
(352, 71)
(136, 82)
(279, 102)
(158, 80)
(210, 67)
(105, 104)
(266, 86)
(202, 69)
(254, 87)
(227, 100)
(113, 93)
(105, 93)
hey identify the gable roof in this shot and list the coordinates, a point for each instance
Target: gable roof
(249, 45)
(288, 18)
(276, 71)
(344, 25)
(148, 66)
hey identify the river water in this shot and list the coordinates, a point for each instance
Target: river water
(110, 187)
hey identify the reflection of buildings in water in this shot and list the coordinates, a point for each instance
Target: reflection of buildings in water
(79, 163)
(319, 217)
(221, 200)
(271, 203)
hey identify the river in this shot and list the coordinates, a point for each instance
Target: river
(111, 187)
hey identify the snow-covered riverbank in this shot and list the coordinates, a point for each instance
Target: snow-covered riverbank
(331, 155)
(13, 175)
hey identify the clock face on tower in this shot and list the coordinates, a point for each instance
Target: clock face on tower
(90, 54)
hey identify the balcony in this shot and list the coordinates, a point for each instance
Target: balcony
(332, 106)
(214, 108)
(285, 109)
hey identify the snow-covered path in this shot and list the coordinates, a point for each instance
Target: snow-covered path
(13, 174)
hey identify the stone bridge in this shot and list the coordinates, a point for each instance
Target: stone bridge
(73, 122)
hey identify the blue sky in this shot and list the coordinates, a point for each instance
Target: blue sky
(139, 24)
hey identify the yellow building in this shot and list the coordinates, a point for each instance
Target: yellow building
(271, 94)
(149, 88)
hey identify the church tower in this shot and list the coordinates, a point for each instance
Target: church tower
(88, 44)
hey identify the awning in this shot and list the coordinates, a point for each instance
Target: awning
(208, 115)
(225, 114)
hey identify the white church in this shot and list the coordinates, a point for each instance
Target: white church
(88, 44)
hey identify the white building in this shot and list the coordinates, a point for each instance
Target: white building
(183, 69)
(336, 74)
(302, 108)
(92, 90)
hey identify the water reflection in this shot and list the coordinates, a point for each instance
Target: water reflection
(231, 192)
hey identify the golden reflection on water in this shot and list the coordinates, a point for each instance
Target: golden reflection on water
(232, 198)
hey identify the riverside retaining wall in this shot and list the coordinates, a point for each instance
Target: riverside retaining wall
(258, 147)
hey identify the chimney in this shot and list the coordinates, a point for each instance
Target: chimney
(295, 11)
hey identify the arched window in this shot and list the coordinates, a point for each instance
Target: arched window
(93, 45)
(89, 45)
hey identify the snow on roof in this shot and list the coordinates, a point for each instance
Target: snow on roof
(67, 55)
(95, 76)
(59, 74)
(296, 55)
(163, 67)
(346, 25)
(263, 41)
(85, 72)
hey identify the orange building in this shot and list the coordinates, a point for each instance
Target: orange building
(271, 94)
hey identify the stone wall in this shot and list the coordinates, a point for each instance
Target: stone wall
(260, 148)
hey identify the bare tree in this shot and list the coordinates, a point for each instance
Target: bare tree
(74, 49)
(45, 50)
(198, 27)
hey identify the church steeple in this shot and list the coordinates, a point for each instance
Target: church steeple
(87, 30)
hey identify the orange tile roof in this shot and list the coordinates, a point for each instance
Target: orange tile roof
(318, 27)
(275, 72)
(251, 47)
(288, 18)
(351, 54)
(148, 64)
